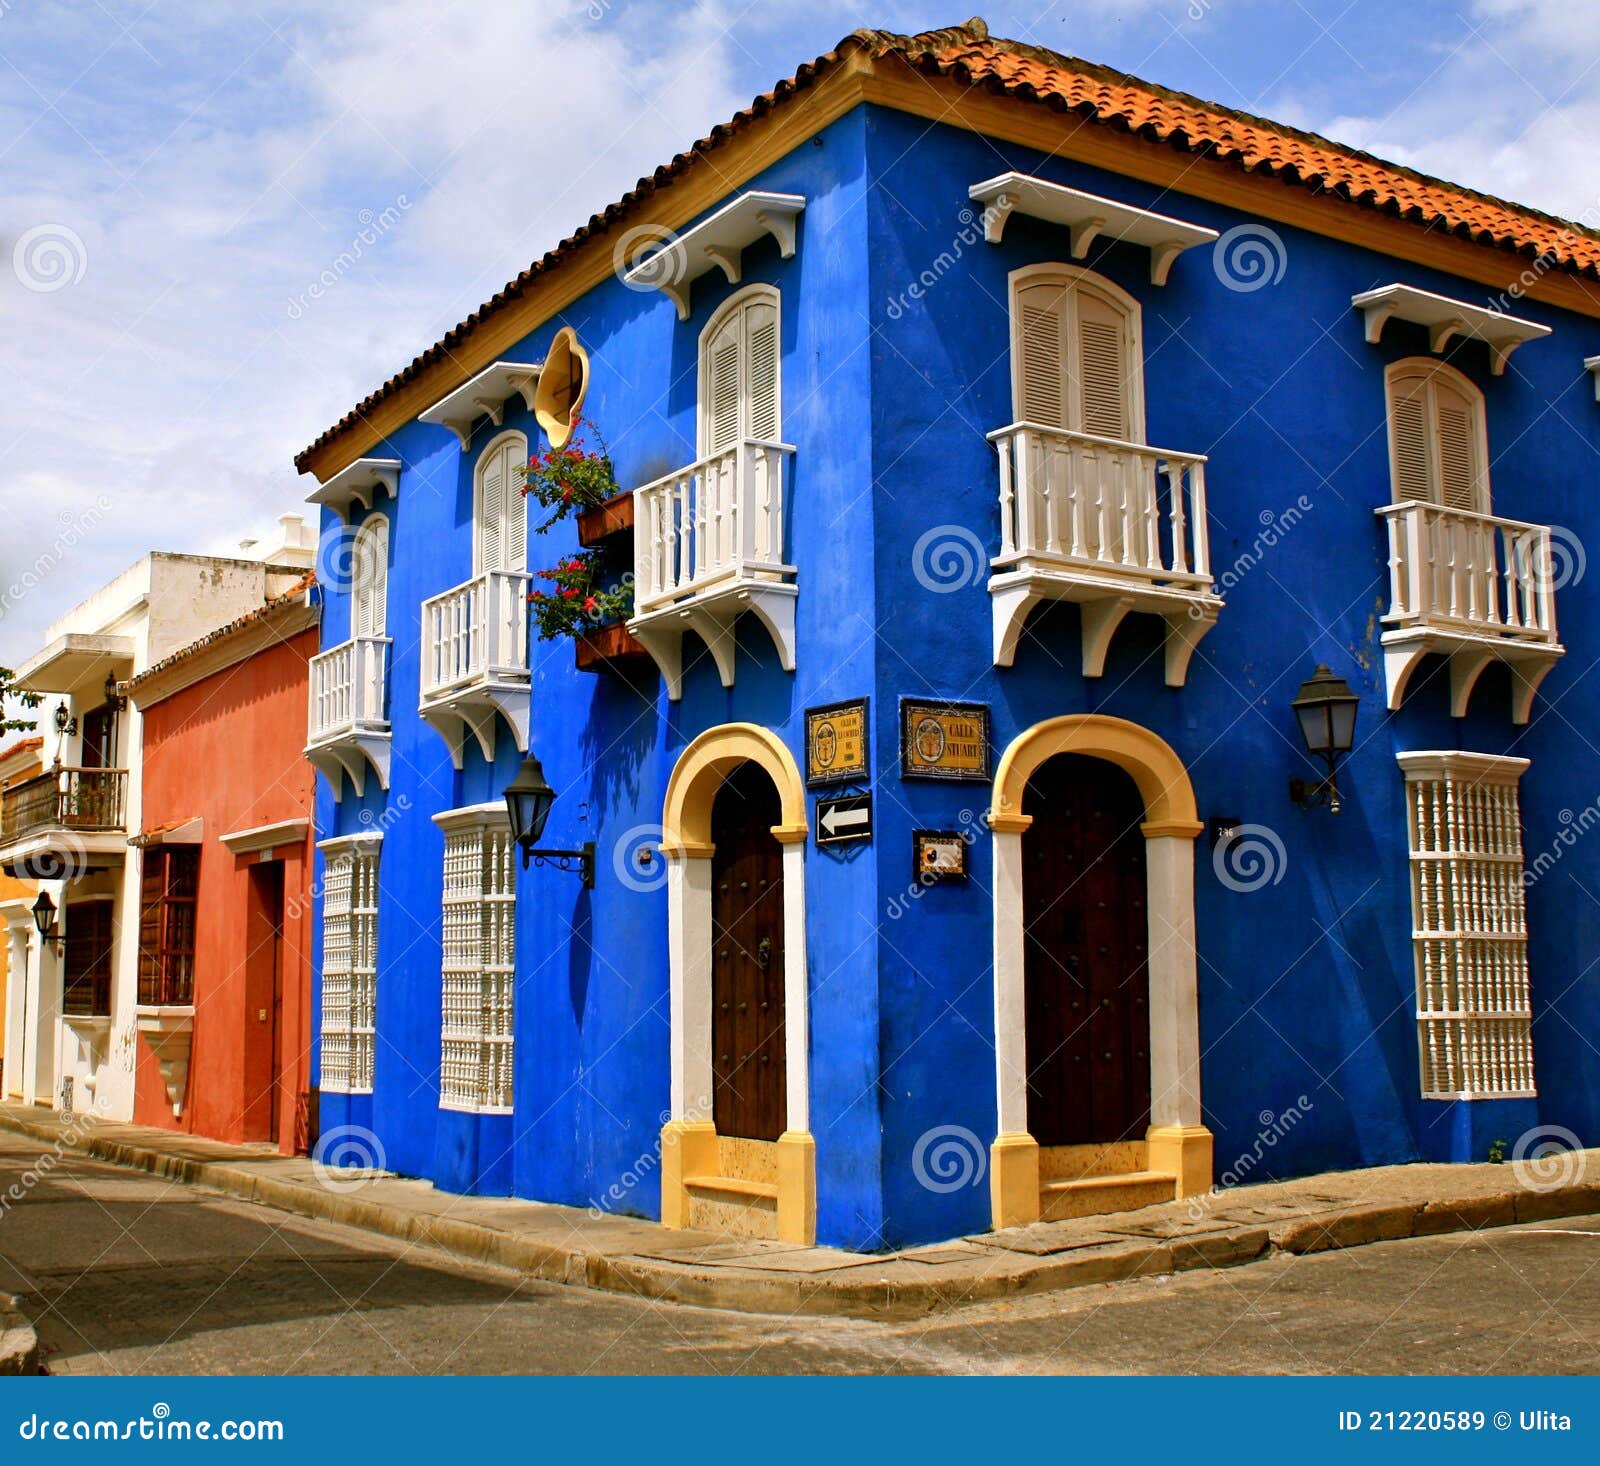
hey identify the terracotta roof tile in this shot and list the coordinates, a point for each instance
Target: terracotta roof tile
(969, 54)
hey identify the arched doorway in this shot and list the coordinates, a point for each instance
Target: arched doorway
(1088, 982)
(737, 1152)
(1079, 804)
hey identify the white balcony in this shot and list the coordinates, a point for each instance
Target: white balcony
(1474, 589)
(348, 728)
(1113, 526)
(475, 661)
(708, 546)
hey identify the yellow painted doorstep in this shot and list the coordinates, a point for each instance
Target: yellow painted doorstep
(1030, 1183)
(740, 1187)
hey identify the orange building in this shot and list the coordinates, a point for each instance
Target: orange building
(20, 761)
(227, 856)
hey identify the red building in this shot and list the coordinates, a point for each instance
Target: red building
(225, 842)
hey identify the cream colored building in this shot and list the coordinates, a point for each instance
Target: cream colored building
(72, 1017)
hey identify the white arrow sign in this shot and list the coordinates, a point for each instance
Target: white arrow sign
(848, 817)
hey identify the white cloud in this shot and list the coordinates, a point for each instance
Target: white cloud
(214, 165)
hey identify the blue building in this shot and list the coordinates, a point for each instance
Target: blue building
(1008, 441)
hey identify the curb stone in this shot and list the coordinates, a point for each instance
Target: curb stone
(898, 1286)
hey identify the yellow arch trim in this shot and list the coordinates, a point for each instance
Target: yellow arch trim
(705, 763)
(1158, 771)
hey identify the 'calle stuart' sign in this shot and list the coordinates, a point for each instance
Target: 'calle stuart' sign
(943, 740)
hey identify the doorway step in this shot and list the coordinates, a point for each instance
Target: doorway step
(1088, 1180)
(743, 1199)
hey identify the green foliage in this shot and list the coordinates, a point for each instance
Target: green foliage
(571, 478)
(1497, 1152)
(578, 599)
(10, 695)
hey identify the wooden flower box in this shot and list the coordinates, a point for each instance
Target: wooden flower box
(613, 517)
(610, 648)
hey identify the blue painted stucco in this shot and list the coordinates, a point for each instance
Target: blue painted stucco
(1305, 985)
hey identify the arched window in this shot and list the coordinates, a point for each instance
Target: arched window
(1077, 362)
(500, 513)
(739, 386)
(370, 571)
(1438, 446)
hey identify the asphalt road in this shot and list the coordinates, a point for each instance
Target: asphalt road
(124, 1273)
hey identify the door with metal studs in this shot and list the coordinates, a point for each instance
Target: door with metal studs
(1087, 1004)
(747, 1052)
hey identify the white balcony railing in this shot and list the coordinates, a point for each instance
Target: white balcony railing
(708, 545)
(1473, 572)
(348, 719)
(1474, 589)
(717, 521)
(1114, 526)
(476, 632)
(348, 689)
(475, 661)
(1102, 505)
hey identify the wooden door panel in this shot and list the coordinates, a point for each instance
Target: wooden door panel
(1087, 984)
(747, 1014)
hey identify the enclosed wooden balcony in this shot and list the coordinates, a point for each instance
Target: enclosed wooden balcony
(55, 825)
(348, 730)
(709, 545)
(1474, 589)
(475, 661)
(1115, 527)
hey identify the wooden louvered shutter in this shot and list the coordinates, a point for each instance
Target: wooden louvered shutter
(719, 393)
(515, 550)
(1100, 368)
(372, 577)
(761, 393)
(1408, 439)
(1041, 350)
(1455, 431)
(492, 513)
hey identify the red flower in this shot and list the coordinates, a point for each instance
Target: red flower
(569, 592)
(589, 605)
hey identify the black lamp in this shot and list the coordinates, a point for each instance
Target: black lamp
(65, 722)
(528, 800)
(44, 919)
(114, 699)
(1326, 709)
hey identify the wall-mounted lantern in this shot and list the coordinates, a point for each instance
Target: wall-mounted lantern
(114, 699)
(528, 800)
(1326, 709)
(66, 724)
(44, 920)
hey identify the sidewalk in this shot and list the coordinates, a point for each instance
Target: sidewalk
(574, 1246)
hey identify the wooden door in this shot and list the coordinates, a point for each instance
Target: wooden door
(1088, 986)
(747, 1053)
(98, 745)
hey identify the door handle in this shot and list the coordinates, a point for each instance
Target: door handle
(763, 953)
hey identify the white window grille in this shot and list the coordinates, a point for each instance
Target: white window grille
(350, 963)
(1469, 930)
(479, 960)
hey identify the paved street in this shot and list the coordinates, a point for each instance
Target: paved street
(128, 1274)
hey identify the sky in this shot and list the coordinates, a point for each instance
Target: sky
(178, 181)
